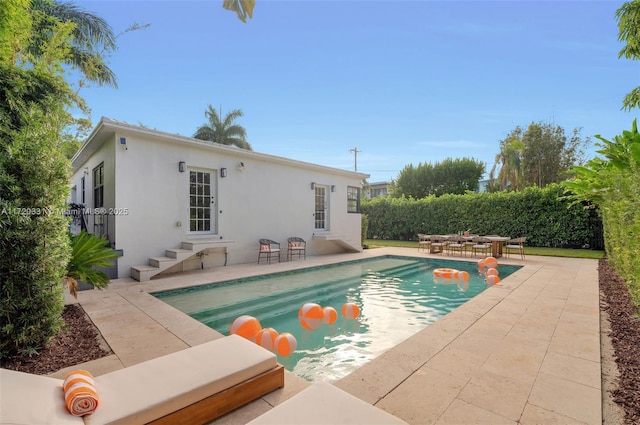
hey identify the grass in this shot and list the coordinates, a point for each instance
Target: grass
(528, 250)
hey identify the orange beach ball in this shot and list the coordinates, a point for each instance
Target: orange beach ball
(493, 270)
(330, 315)
(245, 326)
(266, 338)
(285, 344)
(311, 316)
(493, 279)
(490, 262)
(350, 311)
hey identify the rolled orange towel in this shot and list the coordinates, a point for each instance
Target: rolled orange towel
(80, 394)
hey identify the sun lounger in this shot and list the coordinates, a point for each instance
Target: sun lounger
(195, 385)
(325, 404)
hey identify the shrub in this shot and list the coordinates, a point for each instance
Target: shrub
(542, 215)
(34, 244)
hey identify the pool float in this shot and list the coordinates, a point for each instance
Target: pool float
(446, 273)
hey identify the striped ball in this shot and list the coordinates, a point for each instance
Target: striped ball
(330, 315)
(245, 326)
(350, 311)
(285, 344)
(493, 270)
(490, 262)
(311, 316)
(266, 338)
(493, 279)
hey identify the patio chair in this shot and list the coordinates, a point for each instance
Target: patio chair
(455, 244)
(481, 245)
(515, 245)
(269, 248)
(424, 241)
(297, 246)
(438, 242)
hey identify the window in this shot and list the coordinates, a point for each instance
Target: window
(353, 199)
(82, 191)
(98, 186)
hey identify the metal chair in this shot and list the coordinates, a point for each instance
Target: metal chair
(269, 248)
(481, 245)
(424, 241)
(438, 242)
(515, 245)
(456, 244)
(297, 246)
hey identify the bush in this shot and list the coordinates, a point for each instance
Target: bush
(542, 215)
(34, 245)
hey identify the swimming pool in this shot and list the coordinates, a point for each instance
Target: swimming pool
(398, 296)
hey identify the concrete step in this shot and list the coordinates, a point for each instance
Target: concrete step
(144, 272)
(179, 253)
(162, 262)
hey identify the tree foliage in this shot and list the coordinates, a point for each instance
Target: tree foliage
(88, 252)
(538, 156)
(34, 171)
(34, 246)
(628, 16)
(243, 8)
(612, 181)
(91, 38)
(224, 131)
(455, 176)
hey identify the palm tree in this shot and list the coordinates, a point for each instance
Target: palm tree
(243, 8)
(91, 39)
(225, 131)
(510, 161)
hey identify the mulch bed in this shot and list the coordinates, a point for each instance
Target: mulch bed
(79, 342)
(624, 319)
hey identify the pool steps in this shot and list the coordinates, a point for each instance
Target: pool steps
(274, 305)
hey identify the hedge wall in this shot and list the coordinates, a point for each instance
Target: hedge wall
(542, 215)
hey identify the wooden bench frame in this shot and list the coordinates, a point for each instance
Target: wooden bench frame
(221, 403)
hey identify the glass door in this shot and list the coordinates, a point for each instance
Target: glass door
(202, 202)
(322, 204)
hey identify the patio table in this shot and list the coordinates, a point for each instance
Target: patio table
(496, 244)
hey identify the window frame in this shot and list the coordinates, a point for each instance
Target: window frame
(98, 186)
(353, 199)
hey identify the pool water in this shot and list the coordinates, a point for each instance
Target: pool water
(397, 296)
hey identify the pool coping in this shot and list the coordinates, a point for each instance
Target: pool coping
(516, 353)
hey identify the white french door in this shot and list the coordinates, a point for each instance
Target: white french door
(321, 208)
(202, 202)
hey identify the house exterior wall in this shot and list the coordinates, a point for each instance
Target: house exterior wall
(270, 197)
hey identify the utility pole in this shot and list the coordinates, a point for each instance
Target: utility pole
(355, 158)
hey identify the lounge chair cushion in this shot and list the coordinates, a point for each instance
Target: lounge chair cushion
(143, 392)
(29, 399)
(325, 404)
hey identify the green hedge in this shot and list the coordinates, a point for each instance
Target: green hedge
(34, 184)
(542, 215)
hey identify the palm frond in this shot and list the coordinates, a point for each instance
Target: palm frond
(87, 253)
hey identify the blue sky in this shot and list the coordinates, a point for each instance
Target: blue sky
(403, 81)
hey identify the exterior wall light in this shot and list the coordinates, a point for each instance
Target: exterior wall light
(182, 166)
(313, 185)
(333, 187)
(223, 172)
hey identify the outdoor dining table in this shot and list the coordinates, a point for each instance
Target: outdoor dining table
(496, 244)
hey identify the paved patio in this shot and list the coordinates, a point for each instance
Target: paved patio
(526, 351)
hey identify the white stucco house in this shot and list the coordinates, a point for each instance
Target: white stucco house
(170, 203)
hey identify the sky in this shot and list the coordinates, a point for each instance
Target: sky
(403, 82)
